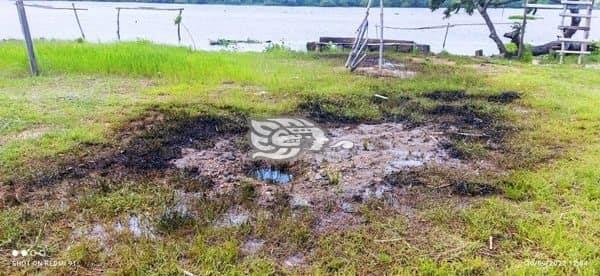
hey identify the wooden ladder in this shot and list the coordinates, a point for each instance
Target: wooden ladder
(586, 16)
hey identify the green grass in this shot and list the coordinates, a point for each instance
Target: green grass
(546, 220)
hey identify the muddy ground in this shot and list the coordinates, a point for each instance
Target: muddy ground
(409, 154)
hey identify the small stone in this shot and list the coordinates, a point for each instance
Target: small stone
(347, 207)
(229, 156)
(298, 202)
(294, 260)
(99, 233)
(232, 218)
(252, 246)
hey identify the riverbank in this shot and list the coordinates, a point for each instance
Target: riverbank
(293, 26)
(96, 172)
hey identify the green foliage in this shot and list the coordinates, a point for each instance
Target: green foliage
(333, 176)
(10, 227)
(512, 48)
(84, 253)
(178, 19)
(275, 47)
(527, 54)
(214, 258)
(470, 6)
(173, 219)
(113, 204)
(520, 17)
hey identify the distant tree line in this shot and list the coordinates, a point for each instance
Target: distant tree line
(315, 3)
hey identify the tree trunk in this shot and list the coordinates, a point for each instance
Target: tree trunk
(493, 34)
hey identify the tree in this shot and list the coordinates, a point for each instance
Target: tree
(454, 6)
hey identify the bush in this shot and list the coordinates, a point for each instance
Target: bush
(511, 49)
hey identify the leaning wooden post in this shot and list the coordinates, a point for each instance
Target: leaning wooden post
(33, 67)
(522, 33)
(118, 25)
(179, 26)
(446, 36)
(77, 19)
(381, 34)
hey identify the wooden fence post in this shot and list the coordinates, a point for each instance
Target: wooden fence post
(179, 26)
(77, 19)
(33, 67)
(118, 24)
(381, 35)
(446, 36)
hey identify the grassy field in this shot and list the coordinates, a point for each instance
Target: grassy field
(544, 219)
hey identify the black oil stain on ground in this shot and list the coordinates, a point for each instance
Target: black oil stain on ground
(447, 95)
(143, 145)
(504, 97)
(467, 188)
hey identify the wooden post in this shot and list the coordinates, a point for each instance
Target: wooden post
(179, 27)
(77, 19)
(381, 34)
(33, 67)
(446, 35)
(522, 33)
(118, 24)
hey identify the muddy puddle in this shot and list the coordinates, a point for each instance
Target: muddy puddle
(339, 177)
(273, 175)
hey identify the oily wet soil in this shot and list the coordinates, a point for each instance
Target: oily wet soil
(143, 146)
(402, 144)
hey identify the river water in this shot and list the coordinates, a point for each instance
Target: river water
(294, 26)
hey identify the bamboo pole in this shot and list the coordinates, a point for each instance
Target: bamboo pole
(446, 36)
(51, 7)
(179, 26)
(118, 24)
(381, 34)
(33, 66)
(78, 22)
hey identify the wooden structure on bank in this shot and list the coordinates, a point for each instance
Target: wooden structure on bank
(404, 46)
(570, 9)
(360, 44)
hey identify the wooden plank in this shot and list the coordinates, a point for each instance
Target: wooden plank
(578, 3)
(578, 28)
(575, 40)
(398, 47)
(544, 6)
(350, 40)
(573, 52)
(575, 15)
(149, 8)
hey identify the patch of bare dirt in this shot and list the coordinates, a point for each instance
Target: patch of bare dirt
(390, 68)
(27, 134)
(335, 182)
